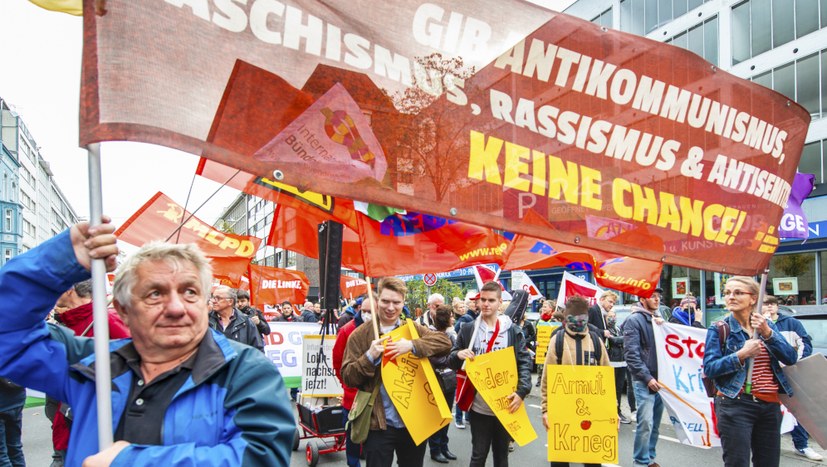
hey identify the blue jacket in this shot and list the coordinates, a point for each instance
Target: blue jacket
(728, 372)
(639, 345)
(232, 411)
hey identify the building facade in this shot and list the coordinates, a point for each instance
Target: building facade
(34, 209)
(780, 44)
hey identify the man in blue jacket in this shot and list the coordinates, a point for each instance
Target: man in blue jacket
(182, 394)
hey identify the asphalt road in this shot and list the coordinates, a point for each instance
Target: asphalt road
(37, 446)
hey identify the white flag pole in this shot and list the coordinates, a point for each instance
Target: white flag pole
(103, 377)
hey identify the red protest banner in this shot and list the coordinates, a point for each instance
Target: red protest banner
(613, 139)
(269, 286)
(352, 287)
(163, 219)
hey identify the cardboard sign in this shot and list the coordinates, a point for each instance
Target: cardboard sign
(412, 386)
(318, 377)
(809, 401)
(543, 338)
(582, 414)
(494, 375)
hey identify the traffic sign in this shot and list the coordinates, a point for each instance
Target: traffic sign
(429, 279)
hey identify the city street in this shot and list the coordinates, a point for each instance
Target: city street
(37, 445)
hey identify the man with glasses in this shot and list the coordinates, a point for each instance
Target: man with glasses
(794, 332)
(234, 324)
(642, 360)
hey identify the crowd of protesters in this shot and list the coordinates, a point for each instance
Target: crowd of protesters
(181, 347)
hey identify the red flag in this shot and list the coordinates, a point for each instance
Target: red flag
(270, 286)
(160, 219)
(352, 287)
(572, 285)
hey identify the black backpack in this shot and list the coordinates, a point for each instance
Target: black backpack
(597, 343)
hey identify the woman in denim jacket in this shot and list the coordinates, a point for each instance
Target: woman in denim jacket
(748, 422)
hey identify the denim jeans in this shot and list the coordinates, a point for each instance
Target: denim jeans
(458, 414)
(800, 437)
(11, 448)
(749, 427)
(649, 413)
(352, 450)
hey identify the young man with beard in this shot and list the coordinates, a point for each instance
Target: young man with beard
(255, 315)
(495, 332)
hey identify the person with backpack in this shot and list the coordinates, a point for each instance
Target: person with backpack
(575, 344)
(614, 344)
(642, 359)
(748, 412)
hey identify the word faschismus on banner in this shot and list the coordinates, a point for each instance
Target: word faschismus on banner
(584, 127)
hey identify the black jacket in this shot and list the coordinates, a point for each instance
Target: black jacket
(639, 345)
(515, 339)
(262, 325)
(240, 329)
(614, 344)
(468, 317)
(596, 319)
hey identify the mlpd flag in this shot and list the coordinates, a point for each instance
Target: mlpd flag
(494, 375)
(411, 384)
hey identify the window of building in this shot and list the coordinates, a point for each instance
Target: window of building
(644, 16)
(8, 224)
(803, 80)
(701, 39)
(603, 19)
(814, 161)
(801, 267)
(7, 255)
(760, 25)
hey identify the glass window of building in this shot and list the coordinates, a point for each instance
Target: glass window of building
(806, 17)
(758, 25)
(603, 19)
(794, 275)
(802, 80)
(7, 226)
(812, 161)
(806, 84)
(823, 81)
(701, 39)
(643, 16)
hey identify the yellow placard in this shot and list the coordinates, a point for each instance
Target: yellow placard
(582, 414)
(312, 198)
(413, 388)
(543, 338)
(494, 375)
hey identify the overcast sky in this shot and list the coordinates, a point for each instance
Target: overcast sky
(40, 78)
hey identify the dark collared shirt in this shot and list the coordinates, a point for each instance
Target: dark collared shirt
(143, 419)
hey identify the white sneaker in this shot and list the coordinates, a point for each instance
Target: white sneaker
(809, 453)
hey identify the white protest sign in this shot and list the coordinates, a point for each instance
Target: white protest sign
(283, 346)
(318, 377)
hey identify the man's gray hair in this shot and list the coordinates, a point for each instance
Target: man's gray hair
(436, 297)
(232, 294)
(175, 254)
(83, 289)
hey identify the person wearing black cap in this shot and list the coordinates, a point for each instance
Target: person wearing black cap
(642, 360)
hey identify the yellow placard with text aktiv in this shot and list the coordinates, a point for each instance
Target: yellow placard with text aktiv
(413, 388)
(582, 414)
(494, 375)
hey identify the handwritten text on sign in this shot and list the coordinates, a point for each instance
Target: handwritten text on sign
(582, 414)
(494, 376)
(412, 386)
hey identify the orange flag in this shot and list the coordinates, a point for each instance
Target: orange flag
(159, 218)
(269, 286)
(352, 287)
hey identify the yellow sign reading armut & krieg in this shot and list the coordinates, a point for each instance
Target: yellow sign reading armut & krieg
(412, 386)
(582, 414)
(494, 375)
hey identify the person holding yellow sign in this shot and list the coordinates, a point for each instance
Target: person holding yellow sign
(361, 369)
(494, 332)
(580, 347)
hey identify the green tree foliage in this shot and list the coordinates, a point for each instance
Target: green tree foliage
(418, 292)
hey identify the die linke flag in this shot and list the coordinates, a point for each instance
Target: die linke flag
(274, 285)
(163, 219)
(352, 287)
(481, 117)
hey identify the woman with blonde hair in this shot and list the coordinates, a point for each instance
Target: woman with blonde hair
(748, 412)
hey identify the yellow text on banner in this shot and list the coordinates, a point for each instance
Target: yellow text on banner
(495, 377)
(582, 414)
(543, 338)
(412, 386)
